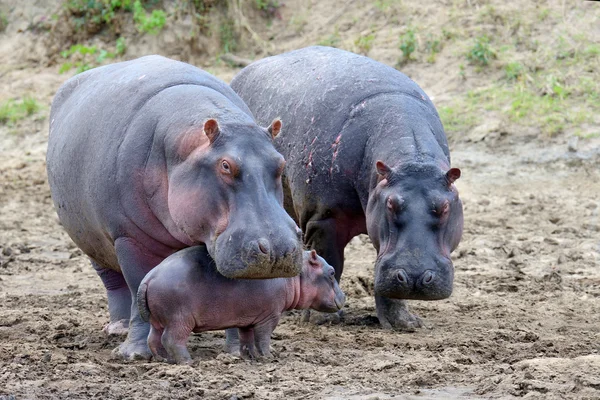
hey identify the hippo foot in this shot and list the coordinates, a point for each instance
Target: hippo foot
(133, 351)
(394, 314)
(320, 318)
(117, 328)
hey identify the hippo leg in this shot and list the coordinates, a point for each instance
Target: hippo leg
(135, 262)
(232, 341)
(155, 343)
(174, 340)
(322, 236)
(262, 337)
(247, 349)
(394, 314)
(119, 299)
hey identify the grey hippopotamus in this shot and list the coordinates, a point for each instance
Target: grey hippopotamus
(366, 153)
(185, 293)
(150, 156)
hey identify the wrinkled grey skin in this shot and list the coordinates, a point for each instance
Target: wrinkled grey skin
(366, 153)
(151, 156)
(185, 293)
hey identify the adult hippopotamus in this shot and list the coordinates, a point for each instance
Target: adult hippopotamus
(151, 156)
(366, 153)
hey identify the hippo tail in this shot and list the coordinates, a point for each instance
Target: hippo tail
(142, 301)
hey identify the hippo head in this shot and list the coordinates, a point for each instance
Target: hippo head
(415, 219)
(319, 289)
(227, 193)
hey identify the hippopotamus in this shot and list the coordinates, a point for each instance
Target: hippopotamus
(366, 152)
(150, 156)
(185, 293)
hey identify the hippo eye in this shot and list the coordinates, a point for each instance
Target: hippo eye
(225, 167)
(394, 203)
(442, 209)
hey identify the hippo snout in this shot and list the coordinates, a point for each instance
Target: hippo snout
(262, 258)
(418, 283)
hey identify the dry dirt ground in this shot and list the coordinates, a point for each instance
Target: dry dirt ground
(522, 321)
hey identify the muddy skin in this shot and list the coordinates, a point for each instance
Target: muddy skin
(366, 153)
(185, 294)
(151, 156)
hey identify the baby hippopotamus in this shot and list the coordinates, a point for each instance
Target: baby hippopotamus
(185, 293)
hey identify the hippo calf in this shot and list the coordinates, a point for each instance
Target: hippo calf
(185, 293)
(150, 156)
(366, 152)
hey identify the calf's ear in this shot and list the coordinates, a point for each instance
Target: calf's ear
(313, 260)
(275, 128)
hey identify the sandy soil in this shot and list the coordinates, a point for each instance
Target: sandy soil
(522, 322)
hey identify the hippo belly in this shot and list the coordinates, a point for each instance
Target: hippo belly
(366, 153)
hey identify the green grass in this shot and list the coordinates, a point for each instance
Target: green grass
(332, 40)
(151, 24)
(364, 43)
(227, 36)
(3, 21)
(14, 110)
(481, 53)
(408, 45)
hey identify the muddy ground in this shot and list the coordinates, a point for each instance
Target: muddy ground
(522, 321)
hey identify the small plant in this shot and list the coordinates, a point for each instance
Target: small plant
(432, 46)
(408, 45)
(3, 21)
(227, 36)
(513, 71)
(365, 43)
(332, 40)
(268, 8)
(481, 53)
(145, 23)
(12, 111)
(121, 47)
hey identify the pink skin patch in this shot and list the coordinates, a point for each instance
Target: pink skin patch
(335, 147)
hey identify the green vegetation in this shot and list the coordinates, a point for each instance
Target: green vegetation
(145, 23)
(83, 57)
(3, 21)
(514, 71)
(433, 46)
(227, 36)
(364, 43)
(408, 45)
(93, 15)
(332, 40)
(12, 110)
(481, 53)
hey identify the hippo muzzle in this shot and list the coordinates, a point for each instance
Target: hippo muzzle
(397, 279)
(244, 254)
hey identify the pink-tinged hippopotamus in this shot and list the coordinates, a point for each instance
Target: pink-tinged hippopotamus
(185, 293)
(150, 156)
(366, 153)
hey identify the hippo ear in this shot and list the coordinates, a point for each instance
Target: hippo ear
(275, 128)
(452, 175)
(313, 260)
(383, 170)
(211, 129)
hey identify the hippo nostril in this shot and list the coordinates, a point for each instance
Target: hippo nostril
(402, 277)
(263, 245)
(427, 277)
